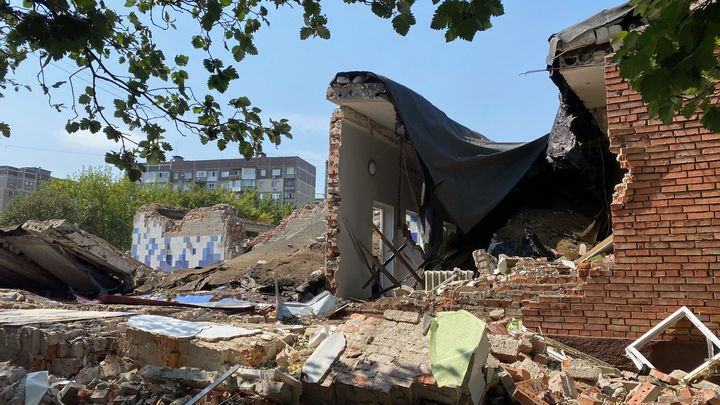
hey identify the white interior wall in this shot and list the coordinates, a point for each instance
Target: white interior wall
(358, 191)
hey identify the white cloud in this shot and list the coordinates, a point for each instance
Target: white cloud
(306, 123)
(88, 141)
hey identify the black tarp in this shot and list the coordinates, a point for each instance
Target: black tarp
(471, 174)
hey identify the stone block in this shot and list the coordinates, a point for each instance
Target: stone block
(526, 345)
(561, 382)
(505, 348)
(645, 392)
(484, 261)
(533, 369)
(530, 392)
(581, 369)
(402, 316)
(497, 314)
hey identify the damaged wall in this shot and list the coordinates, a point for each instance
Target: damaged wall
(666, 226)
(355, 140)
(171, 238)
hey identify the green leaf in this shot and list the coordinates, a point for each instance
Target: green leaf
(72, 127)
(5, 129)
(711, 119)
(402, 22)
(181, 60)
(94, 126)
(381, 10)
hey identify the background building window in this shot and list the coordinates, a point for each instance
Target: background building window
(275, 184)
(289, 196)
(276, 172)
(211, 186)
(201, 173)
(187, 176)
(248, 173)
(263, 172)
(289, 170)
(225, 173)
(275, 196)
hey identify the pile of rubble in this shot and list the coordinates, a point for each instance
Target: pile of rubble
(534, 370)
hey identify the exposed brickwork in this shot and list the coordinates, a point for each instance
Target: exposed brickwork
(332, 251)
(666, 226)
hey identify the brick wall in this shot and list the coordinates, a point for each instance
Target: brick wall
(332, 251)
(666, 226)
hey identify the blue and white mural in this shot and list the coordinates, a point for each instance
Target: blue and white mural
(158, 248)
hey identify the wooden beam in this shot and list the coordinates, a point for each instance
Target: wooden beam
(400, 255)
(379, 266)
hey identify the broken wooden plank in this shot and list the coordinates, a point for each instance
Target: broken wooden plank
(378, 265)
(401, 256)
(603, 246)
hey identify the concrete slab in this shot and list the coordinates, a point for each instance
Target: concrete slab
(19, 317)
(318, 364)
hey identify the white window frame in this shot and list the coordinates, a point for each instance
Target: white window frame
(640, 361)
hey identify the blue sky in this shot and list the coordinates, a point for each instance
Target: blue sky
(479, 84)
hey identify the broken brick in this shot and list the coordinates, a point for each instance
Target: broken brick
(580, 369)
(515, 373)
(562, 383)
(645, 392)
(530, 392)
(505, 348)
(663, 377)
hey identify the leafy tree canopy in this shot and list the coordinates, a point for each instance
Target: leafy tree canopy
(116, 45)
(671, 62)
(105, 206)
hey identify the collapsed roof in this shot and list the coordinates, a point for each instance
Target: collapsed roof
(58, 256)
(465, 171)
(576, 55)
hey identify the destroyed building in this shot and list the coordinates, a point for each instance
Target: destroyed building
(411, 193)
(653, 186)
(170, 237)
(392, 150)
(56, 258)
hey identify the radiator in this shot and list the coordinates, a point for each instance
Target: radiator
(435, 278)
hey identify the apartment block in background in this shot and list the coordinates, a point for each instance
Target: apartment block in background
(16, 181)
(288, 180)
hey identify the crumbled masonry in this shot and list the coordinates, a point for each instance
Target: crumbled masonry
(559, 280)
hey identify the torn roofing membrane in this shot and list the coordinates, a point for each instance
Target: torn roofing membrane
(575, 31)
(471, 174)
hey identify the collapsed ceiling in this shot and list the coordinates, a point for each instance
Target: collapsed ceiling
(478, 184)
